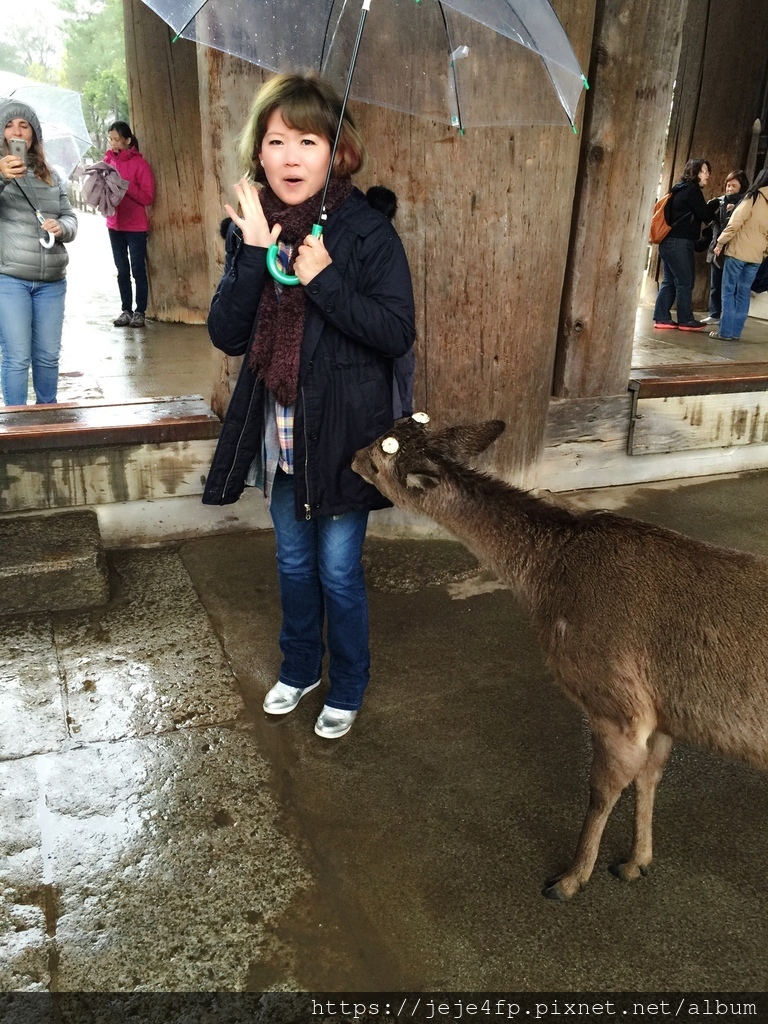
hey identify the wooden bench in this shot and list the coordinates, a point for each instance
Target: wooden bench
(688, 406)
(96, 453)
(94, 424)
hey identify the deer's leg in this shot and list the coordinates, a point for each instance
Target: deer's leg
(618, 756)
(659, 748)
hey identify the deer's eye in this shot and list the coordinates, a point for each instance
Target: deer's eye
(390, 445)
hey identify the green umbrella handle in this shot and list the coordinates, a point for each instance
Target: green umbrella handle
(273, 263)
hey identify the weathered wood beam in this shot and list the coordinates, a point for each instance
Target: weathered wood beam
(634, 57)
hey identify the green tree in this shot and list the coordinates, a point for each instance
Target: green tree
(94, 63)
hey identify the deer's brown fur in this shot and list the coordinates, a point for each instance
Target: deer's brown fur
(654, 635)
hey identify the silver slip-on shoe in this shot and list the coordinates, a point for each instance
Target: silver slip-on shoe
(332, 723)
(283, 698)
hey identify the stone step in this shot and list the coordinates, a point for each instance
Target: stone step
(51, 562)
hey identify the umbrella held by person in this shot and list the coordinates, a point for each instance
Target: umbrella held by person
(33, 199)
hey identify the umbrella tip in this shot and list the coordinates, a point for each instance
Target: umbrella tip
(584, 80)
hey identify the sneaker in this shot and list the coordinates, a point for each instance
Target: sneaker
(711, 320)
(137, 320)
(333, 723)
(123, 320)
(692, 325)
(664, 325)
(283, 698)
(721, 337)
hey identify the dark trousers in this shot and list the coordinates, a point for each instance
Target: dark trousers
(715, 290)
(679, 265)
(129, 250)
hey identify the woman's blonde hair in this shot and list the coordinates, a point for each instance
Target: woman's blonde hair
(307, 104)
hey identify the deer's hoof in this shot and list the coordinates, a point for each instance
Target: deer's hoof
(560, 889)
(629, 872)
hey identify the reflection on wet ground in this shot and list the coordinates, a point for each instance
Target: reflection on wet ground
(160, 833)
(99, 361)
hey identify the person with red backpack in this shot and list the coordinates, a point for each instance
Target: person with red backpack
(685, 211)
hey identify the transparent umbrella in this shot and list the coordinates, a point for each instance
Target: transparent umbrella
(463, 62)
(60, 112)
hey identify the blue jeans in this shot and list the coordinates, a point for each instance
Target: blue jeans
(679, 265)
(737, 285)
(31, 319)
(320, 570)
(131, 244)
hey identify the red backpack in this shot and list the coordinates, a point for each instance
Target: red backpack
(660, 227)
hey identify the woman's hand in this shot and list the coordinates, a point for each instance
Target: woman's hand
(717, 250)
(311, 259)
(53, 226)
(251, 220)
(12, 167)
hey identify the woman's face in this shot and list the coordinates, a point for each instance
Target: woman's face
(704, 175)
(294, 162)
(732, 186)
(18, 128)
(117, 142)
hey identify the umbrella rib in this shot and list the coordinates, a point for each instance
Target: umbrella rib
(452, 66)
(189, 21)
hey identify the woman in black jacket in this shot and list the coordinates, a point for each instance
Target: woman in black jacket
(686, 211)
(736, 185)
(316, 382)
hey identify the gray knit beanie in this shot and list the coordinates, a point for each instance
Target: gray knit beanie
(10, 108)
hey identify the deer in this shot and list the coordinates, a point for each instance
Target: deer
(655, 636)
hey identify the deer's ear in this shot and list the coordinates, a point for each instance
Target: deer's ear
(422, 481)
(464, 442)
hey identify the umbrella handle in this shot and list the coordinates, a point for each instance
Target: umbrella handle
(273, 263)
(49, 242)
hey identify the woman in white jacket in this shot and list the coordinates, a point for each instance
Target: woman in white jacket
(32, 275)
(746, 236)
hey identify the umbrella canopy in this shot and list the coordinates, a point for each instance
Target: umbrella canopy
(60, 112)
(462, 62)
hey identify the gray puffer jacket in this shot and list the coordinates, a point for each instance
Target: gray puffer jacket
(21, 254)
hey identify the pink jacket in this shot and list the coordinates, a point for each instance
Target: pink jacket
(131, 213)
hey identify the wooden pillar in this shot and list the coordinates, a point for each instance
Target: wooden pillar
(721, 82)
(227, 88)
(485, 219)
(634, 57)
(163, 98)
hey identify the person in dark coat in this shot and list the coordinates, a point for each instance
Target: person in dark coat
(316, 383)
(686, 211)
(736, 185)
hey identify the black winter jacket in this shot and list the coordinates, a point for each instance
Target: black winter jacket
(687, 210)
(360, 317)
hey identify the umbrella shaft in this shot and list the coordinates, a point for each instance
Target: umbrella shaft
(353, 61)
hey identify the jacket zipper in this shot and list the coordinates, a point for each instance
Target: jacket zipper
(239, 442)
(307, 505)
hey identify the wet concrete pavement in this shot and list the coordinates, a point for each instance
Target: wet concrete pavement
(160, 833)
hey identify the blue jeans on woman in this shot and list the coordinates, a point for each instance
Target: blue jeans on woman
(679, 265)
(320, 570)
(737, 286)
(129, 250)
(31, 319)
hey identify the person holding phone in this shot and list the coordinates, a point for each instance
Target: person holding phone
(36, 220)
(129, 225)
(316, 383)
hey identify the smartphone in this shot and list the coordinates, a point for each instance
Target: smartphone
(18, 147)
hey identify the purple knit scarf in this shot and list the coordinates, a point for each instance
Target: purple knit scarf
(276, 348)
